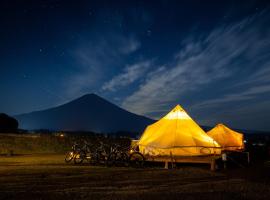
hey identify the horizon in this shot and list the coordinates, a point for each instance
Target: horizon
(212, 58)
(154, 119)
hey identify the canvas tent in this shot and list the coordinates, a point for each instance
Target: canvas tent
(227, 138)
(178, 135)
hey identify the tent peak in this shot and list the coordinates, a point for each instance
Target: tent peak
(177, 113)
(178, 107)
(220, 124)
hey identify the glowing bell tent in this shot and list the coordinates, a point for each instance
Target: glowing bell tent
(228, 139)
(176, 134)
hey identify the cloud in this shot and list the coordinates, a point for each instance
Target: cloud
(131, 45)
(130, 74)
(251, 93)
(234, 52)
(95, 59)
(248, 116)
(261, 75)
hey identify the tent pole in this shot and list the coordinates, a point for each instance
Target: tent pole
(166, 165)
(213, 164)
(172, 161)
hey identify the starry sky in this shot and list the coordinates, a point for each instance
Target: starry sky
(211, 57)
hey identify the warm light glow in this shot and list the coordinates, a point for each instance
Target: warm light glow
(227, 138)
(178, 114)
(176, 134)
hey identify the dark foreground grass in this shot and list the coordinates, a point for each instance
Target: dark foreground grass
(46, 176)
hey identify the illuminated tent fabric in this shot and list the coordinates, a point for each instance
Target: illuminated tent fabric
(176, 134)
(227, 138)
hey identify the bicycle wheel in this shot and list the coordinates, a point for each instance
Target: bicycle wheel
(111, 159)
(79, 157)
(69, 156)
(136, 159)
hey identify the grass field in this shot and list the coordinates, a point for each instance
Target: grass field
(46, 176)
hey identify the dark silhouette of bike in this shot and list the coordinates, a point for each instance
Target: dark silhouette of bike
(71, 154)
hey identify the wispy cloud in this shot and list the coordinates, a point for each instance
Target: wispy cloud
(95, 59)
(228, 53)
(247, 116)
(250, 93)
(131, 45)
(130, 74)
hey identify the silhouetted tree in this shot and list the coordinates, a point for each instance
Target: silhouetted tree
(7, 123)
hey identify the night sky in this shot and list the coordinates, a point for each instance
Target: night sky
(211, 57)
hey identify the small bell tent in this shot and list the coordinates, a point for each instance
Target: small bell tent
(228, 139)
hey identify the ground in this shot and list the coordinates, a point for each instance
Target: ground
(46, 176)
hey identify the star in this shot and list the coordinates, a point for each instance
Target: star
(149, 32)
(25, 76)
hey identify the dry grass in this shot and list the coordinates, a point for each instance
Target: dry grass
(30, 143)
(46, 176)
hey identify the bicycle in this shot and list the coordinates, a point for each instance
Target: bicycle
(71, 154)
(84, 153)
(136, 159)
(118, 157)
(100, 155)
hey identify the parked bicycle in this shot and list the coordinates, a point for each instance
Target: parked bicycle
(118, 156)
(101, 153)
(125, 157)
(71, 154)
(136, 159)
(84, 153)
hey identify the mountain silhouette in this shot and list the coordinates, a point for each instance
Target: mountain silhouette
(87, 113)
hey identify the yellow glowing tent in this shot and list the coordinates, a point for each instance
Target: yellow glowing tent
(227, 138)
(178, 135)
